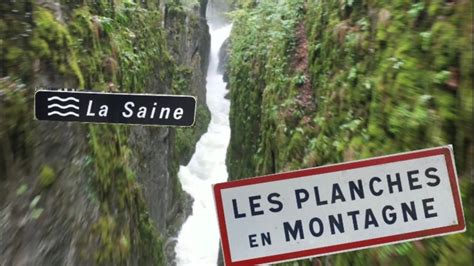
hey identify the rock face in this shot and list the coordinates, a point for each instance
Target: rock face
(77, 194)
(54, 236)
(189, 41)
(224, 58)
(320, 82)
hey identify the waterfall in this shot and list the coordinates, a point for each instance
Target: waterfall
(198, 240)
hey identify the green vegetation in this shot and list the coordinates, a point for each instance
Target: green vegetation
(259, 68)
(104, 46)
(35, 212)
(385, 78)
(15, 123)
(52, 42)
(185, 138)
(47, 176)
(22, 189)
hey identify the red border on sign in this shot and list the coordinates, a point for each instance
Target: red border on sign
(446, 151)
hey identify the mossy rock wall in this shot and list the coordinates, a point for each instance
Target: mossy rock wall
(110, 193)
(384, 78)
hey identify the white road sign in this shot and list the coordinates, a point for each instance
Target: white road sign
(339, 207)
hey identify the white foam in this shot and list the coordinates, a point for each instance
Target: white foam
(198, 240)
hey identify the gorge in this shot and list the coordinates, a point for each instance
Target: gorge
(309, 83)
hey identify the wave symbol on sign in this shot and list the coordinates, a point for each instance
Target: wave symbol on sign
(65, 106)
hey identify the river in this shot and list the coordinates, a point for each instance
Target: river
(198, 240)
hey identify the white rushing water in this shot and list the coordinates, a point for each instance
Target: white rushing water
(198, 240)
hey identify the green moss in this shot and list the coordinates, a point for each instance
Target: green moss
(52, 42)
(113, 46)
(16, 126)
(151, 242)
(186, 138)
(387, 77)
(297, 145)
(444, 46)
(117, 189)
(261, 40)
(47, 176)
(119, 54)
(14, 53)
(175, 8)
(22, 189)
(112, 247)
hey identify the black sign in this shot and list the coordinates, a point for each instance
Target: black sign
(121, 108)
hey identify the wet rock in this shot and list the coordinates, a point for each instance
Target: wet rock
(223, 59)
